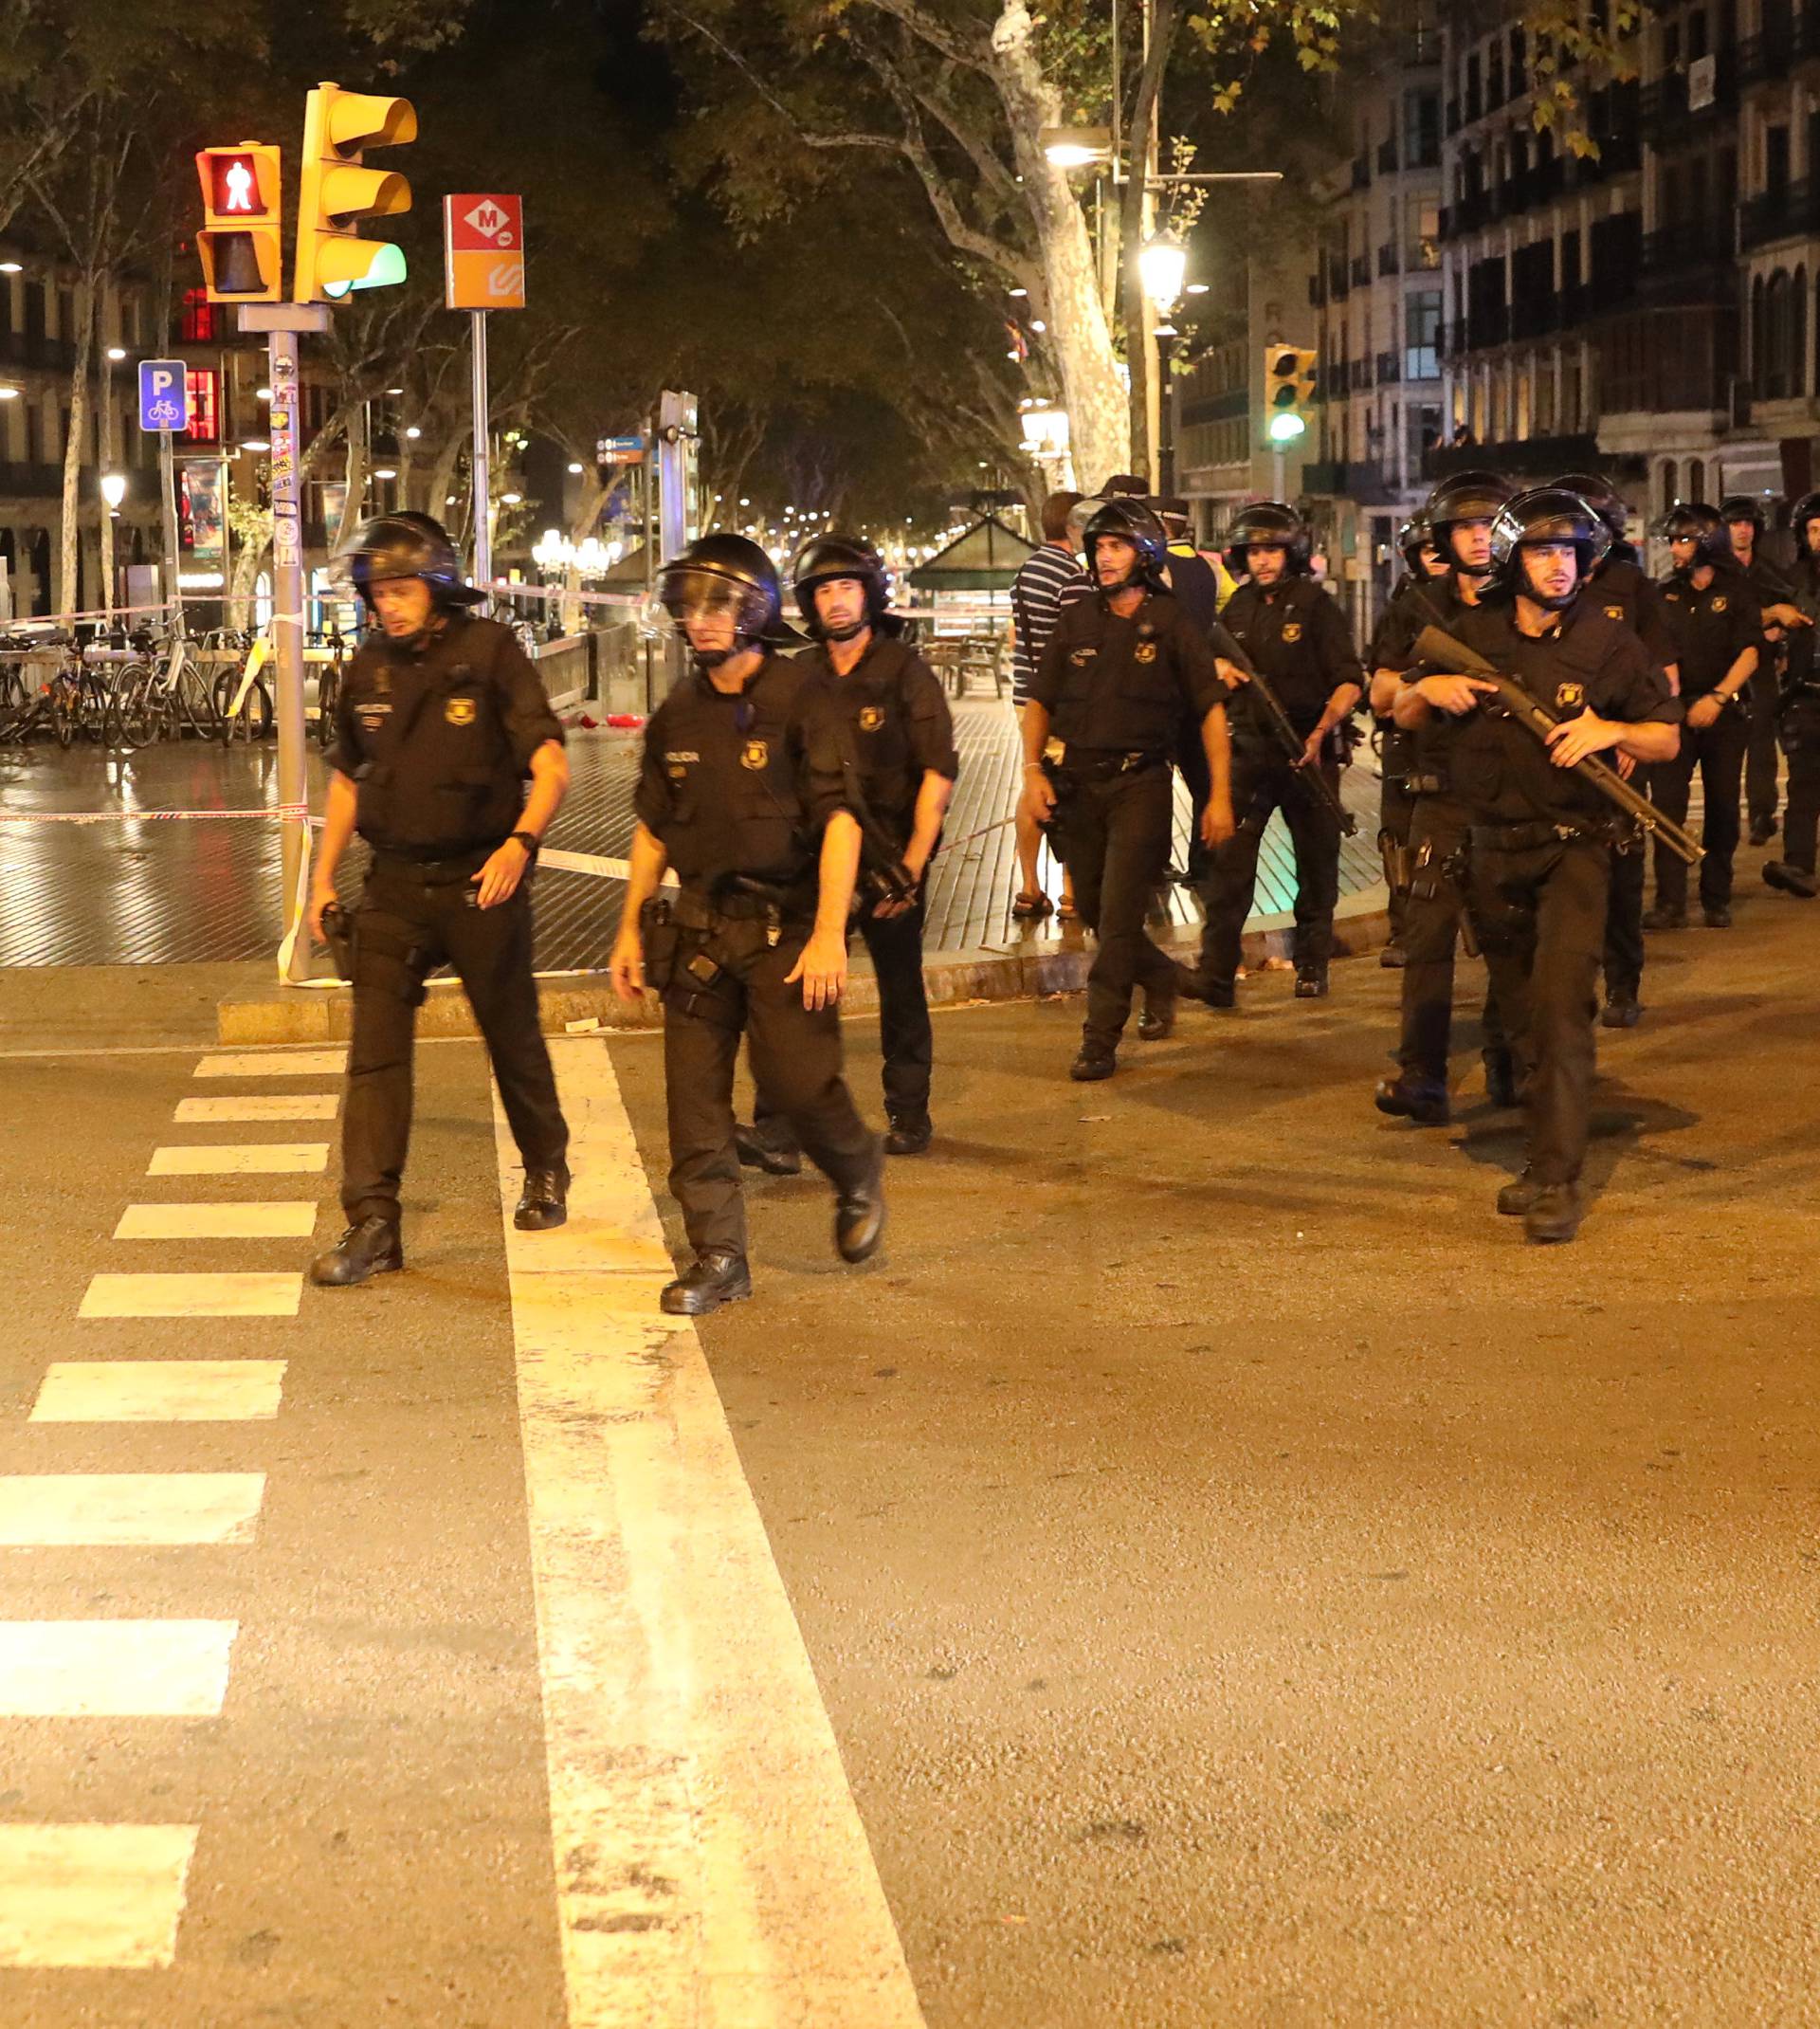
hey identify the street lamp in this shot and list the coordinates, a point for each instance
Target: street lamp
(114, 490)
(1162, 265)
(1077, 147)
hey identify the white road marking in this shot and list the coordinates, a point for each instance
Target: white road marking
(711, 1865)
(261, 1105)
(91, 1895)
(192, 1296)
(42, 1510)
(239, 1159)
(275, 1064)
(113, 1669)
(289, 1219)
(159, 1391)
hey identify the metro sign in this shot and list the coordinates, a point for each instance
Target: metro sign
(483, 251)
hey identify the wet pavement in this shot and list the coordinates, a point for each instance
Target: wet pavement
(137, 889)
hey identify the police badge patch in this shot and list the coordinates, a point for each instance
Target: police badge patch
(871, 718)
(1570, 697)
(459, 711)
(1145, 652)
(1292, 632)
(1615, 612)
(755, 754)
(1718, 604)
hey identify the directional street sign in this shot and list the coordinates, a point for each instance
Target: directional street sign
(164, 394)
(619, 450)
(484, 246)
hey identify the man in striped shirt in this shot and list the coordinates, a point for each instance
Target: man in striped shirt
(1046, 579)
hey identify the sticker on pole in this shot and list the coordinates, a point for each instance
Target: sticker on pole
(164, 394)
(483, 251)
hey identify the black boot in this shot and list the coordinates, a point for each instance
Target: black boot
(1393, 957)
(858, 1217)
(369, 1248)
(1192, 986)
(910, 1134)
(1554, 1214)
(708, 1282)
(1094, 1062)
(1791, 880)
(1157, 1024)
(1422, 1100)
(1622, 1007)
(756, 1152)
(1762, 831)
(1311, 982)
(1501, 1078)
(1517, 1197)
(545, 1201)
(1663, 918)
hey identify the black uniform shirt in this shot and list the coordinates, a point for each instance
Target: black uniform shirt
(739, 783)
(1117, 686)
(1297, 636)
(439, 740)
(1627, 592)
(1500, 770)
(1711, 629)
(893, 714)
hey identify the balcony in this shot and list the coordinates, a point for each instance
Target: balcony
(1389, 369)
(1361, 270)
(1529, 458)
(1361, 376)
(1688, 262)
(1778, 214)
(1387, 156)
(1533, 314)
(1667, 112)
(1337, 284)
(32, 348)
(1362, 170)
(42, 482)
(1362, 481)
(1387, 261)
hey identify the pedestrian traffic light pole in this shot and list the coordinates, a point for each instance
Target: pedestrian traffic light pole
(481, 492)
(282, 323)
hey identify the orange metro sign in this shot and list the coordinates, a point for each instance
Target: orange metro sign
(483, 251)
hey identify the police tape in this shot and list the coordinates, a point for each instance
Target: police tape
(291, 811)
(25, 622)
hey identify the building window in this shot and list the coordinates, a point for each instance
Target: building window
(204, 425)
(1696, 479)
(1422, 335)
(196, 326)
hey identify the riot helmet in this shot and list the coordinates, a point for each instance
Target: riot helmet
(723, 574)
(1743, 508)
(823, 558)
(1805, 510)
(1599, 495)
(410, 545)
(1412, 540)
(1267, 525)
(1546, 513)
(1705, 526)
(1136, 522)
(1474, 496)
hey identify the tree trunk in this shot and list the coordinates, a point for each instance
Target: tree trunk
(356, 486)
(67, 555)
(253, 552)
(1099, 426)
(104, 443)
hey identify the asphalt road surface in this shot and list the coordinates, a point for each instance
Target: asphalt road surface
(1210, 1571)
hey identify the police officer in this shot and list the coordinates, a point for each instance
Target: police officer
(1460, 514)
(439, 723)
(1118, 672)
(1296, 637)
(889, 719)
(1421, 564)
(1540, 833)
(1794, 873)
(1717, 630)
(1194, 586)
(747, 804)
(1746, 524)
(1628, 593)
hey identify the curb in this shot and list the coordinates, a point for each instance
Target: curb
(573, 1003)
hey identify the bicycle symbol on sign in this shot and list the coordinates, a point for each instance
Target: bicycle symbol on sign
(165, 413)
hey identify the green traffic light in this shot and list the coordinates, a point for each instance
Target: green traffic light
(1286, 428)
(386, 268)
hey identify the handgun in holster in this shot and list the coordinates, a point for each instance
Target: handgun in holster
(1399, 859)
(661, 937)
(1456, 868)
(337, 933)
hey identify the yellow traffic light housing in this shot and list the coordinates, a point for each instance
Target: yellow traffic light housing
(1289, 392)
(241, 241)
(338, 193)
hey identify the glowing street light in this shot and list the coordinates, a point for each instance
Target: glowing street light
(114, 490)
(1162, 266)
(1077, 147)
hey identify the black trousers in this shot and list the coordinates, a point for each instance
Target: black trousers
(1760, 754)
(1114, 842)
(1800, 822)
(796, 1058)
(411, 920)
(906, 1036)
(1624, 951)
(1263, 783)
(1439, 896)
(1542, 916)
(1717, 751)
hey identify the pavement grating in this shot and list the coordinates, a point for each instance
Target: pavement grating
(147, 891)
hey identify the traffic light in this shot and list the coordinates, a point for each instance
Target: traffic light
(1288, 391)
(338, 193)
(241, 241)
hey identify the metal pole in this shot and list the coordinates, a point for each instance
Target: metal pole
(1165, 414)
(1278, 484)
(288, 648)
(482, 489)
(172, 557)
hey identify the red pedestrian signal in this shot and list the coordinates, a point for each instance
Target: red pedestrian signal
(241, 238)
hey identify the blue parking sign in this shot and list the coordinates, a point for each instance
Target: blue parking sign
(164, 394)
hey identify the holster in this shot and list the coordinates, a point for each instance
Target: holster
(1399, 862)
(337, 933)
(662, 936)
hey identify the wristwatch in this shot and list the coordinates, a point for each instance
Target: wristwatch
(529, 841)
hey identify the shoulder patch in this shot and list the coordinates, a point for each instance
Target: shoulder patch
(755, 754)
(460, 711)
(1292, 631)
(871, 718)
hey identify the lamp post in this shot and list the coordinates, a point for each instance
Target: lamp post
(1162, 266)
(113, 493)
